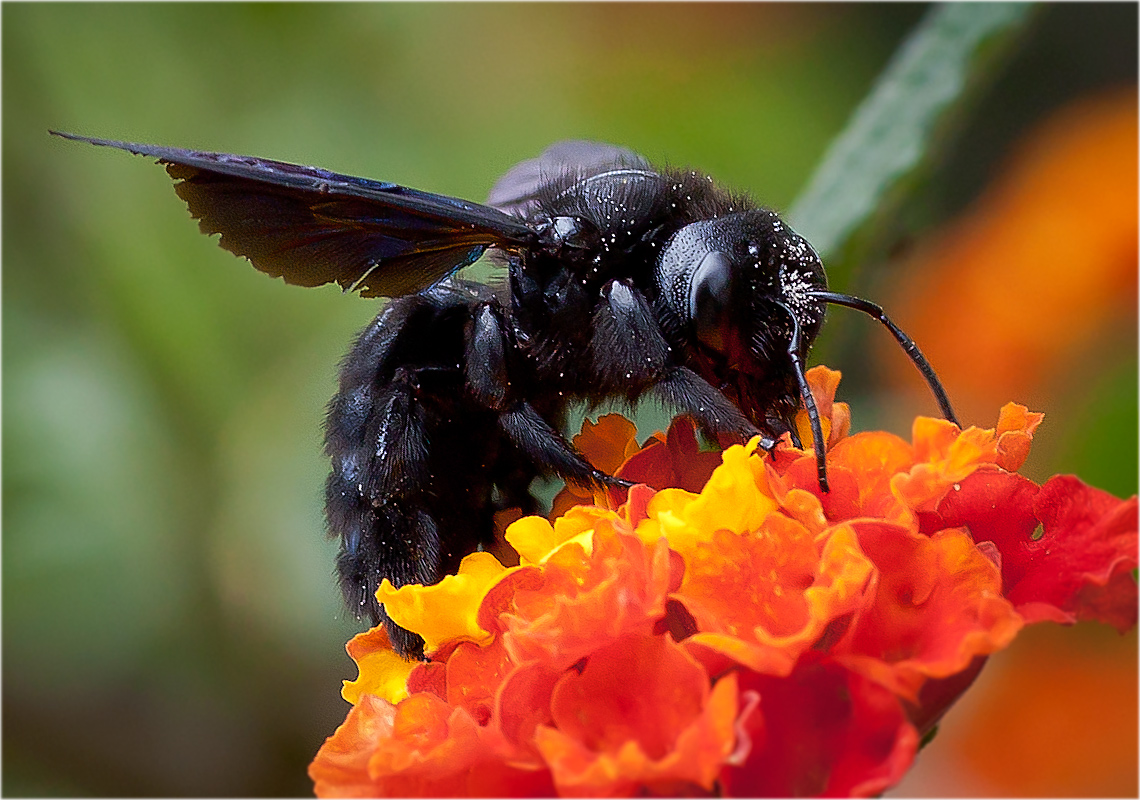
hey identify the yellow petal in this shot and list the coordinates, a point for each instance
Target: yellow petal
(382, 672)
(535, 539)
(446, 610)
(733, 499)
(532, 538)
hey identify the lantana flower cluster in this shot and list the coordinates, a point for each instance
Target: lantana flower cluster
(724, 627)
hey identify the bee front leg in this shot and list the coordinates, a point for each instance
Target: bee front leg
(687, 391)
(630, 350)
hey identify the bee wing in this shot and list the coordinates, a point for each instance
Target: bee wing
(311, 226)
(516, 192)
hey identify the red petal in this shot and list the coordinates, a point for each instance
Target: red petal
(936, 607)
(1095, 535)
(678, 462)
(1079, 568)
(821, 731)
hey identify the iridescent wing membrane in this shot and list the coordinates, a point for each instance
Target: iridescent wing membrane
(519, 190)
(311, 226)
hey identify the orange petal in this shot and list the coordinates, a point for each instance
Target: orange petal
(937, 605)
(582, 604)
(835, 418)
(945, 456)
(420, 747)
(607, 443)
(671, 732)
(765, 598)
(1015, 428)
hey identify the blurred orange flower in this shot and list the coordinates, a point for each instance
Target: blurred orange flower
(755, 637)
(1041, 271)
(1042, 268)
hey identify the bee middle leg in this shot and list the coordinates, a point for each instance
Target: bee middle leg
(489, 378)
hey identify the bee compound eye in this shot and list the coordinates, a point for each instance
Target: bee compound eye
(709, 296)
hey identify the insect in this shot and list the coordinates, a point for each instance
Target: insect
(621, 281)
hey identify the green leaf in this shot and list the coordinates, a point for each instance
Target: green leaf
(891, 131)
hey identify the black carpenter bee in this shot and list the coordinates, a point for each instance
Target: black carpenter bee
(622, 281)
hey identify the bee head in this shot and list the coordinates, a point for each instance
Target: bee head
(751, 294)
(741, 284)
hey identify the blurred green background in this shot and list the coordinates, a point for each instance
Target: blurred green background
(170, 625)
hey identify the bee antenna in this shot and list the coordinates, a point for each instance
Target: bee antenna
(809, 400)
(908, 344)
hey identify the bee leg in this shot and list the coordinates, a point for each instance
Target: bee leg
(489, 380)
(361, 569)
(375, 499)
(486, 357)
(627, 349)
(534, 436)
(687, 391)
(630, 350)
(415, 455)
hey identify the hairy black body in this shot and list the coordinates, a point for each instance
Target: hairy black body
(622, 281)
